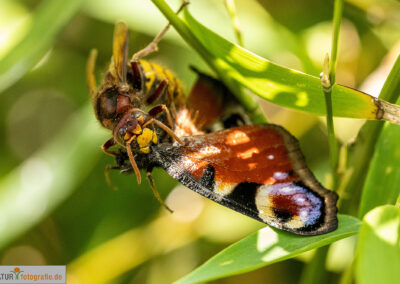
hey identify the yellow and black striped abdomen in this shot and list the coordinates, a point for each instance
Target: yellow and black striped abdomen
(154, 75)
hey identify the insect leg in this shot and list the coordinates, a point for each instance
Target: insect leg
(153, 46)
(158, 110)
(91, 79)
(109, 143)
(106, 146)
(107, 175)
(132, 160)
(155, 191)
(162, 87)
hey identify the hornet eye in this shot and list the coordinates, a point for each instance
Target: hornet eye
(122, 131)
(107, 104)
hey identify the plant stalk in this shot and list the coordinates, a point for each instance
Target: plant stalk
(316, 272)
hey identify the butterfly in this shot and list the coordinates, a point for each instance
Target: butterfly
(257, 170)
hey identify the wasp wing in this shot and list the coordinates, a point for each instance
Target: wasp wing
(120, 51)
(257, 170)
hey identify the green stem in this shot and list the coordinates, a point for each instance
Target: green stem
(337, 17)
(230, 6)
(327, 81)
(181, 28)
(333, 145)
(315, 271)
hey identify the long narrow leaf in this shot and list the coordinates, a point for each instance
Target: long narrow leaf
(378, 250)
(282, 86)
(383, 179)
(362, 151)
(265, 247)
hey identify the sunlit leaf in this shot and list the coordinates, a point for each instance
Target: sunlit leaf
(272, 82)
(265, 247)
(378, 251)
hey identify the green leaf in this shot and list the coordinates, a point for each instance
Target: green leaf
(48, 20)
(265, 247)
(277, 84)
(378, 251)
(383, 179)
(282, 86)
(362, 152)
(381, 185)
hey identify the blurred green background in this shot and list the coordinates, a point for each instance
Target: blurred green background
(55, 206)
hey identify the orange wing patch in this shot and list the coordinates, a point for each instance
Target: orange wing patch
(246, 154)
(257, 170)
